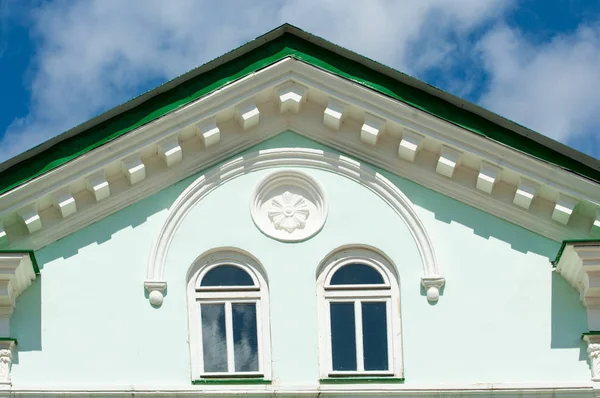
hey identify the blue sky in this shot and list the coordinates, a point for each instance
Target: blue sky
(536, 62)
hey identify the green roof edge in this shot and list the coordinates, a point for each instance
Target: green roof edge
(31, 253)
(284, 41)
(240, 380)
(361, 379)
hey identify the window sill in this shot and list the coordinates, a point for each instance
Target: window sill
(232, 380)
(359, 380)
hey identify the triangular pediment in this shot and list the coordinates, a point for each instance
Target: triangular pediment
(289, 92)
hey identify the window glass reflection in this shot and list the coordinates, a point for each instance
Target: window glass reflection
(245, 337)
(343, 336)
(227, 275)
(214, 342)
(357, 274)
(374, 326)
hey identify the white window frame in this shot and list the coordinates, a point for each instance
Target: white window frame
(227, 295)
(388, 292)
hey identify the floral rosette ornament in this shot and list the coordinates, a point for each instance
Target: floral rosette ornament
(288, 212)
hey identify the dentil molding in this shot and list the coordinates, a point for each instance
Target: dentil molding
(292, 95)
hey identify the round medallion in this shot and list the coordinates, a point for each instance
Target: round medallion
(288, 205)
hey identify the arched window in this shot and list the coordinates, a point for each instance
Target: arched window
(229, 317)
(359, 314)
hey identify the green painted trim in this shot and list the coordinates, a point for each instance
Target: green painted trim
(9, 339)
(570, 241)
(590, 333)
(165, 99)
(230, 381)
(358, 380)
(31, 253)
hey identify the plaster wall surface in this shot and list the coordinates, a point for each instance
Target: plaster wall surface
(503, 316)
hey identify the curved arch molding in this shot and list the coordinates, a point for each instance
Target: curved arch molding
(156, 284)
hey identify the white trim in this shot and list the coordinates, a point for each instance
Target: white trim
(198, 296)
(16, 275)
(228, 337)
(578, 264)
(358, 336)
(593, 350)
(7, 351)
(390, 296)
(532, 389)
(356, 101)
(290, 157)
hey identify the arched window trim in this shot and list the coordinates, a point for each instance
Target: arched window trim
(389, 292)
(220, 294)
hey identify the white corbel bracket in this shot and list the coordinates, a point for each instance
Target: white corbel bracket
(247, 115)
(291, 96)
(433, 285)
(563, 208)
(409, 145)
(334, 114)
(487, 177)
(209, 132)
(593, 350)
(156, 291)
(7, 349)
(448, 161)
(596, 223)
(98, 185)
(134, 169)
(579, 264)
(3, 237)
(371, 129)
(66, 203)
(31, 218)
(525, 193)
(170, 151)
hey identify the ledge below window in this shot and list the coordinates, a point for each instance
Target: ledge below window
(359, 380)
(202, 382)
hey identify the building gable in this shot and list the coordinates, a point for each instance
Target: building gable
(226, 163)
(292, 94)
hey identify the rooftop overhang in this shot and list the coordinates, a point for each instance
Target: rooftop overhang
(294, 95)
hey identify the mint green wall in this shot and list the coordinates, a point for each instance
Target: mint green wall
(503, 316)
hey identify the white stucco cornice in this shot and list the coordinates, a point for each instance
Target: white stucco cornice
(16, 274)
(292, 95)
(358, 390)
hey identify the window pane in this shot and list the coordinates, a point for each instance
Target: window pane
(214, 343)
(245, 337)
(375, 342)
(343, 336)
(356, 274)
(227, 275)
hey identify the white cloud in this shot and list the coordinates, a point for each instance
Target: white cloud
(553, 88)
(96, 54)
